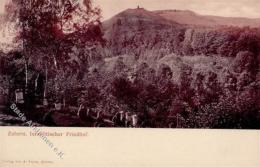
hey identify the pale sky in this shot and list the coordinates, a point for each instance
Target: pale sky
(230, 8)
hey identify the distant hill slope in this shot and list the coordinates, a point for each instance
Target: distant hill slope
(192, 18)
(141, 32)
(136, 30)
(134, 19)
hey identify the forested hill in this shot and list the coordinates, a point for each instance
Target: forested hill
(136, 31)
(206, 61)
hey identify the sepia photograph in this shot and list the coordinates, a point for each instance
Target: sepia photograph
(130, 64)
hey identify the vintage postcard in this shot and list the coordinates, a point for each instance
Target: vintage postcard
(129, 83)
